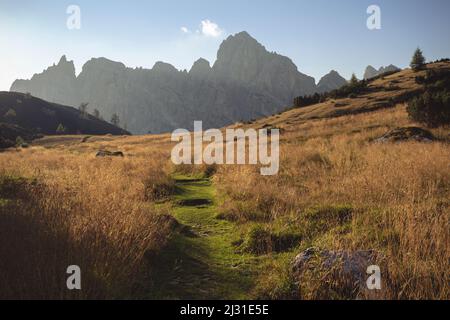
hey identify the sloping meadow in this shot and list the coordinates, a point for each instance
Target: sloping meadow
(62, 206)
(338, 190)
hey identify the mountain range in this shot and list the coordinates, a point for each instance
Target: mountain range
(244, 83)
(371, 72)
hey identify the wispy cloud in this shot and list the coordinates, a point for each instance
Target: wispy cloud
(208, 29)
(211, 29)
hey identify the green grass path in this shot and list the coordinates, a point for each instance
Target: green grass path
(206, 265)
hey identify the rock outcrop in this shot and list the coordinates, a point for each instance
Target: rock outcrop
(407, 134)
(106, 153)
(348, 270)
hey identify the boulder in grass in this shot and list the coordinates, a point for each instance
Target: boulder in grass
(105, 153)
(348, 268)
(407, 134)
(85, 139)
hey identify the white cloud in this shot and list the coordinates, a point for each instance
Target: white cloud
(184, 30)
(211, 29)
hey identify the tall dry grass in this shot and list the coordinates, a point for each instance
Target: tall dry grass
(67, 207)
(70, 208)
(399, 195)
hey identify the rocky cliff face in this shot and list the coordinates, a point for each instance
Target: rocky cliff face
(331, 81)
(371, 72)
(242, 60)
(245, 82)
(53, 82)
(201, 69)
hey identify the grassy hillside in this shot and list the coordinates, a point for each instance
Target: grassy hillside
(42, 117)
(382, 92)
(143, 228)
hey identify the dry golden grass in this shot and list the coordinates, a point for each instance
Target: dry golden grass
(80, 210)
(398, 194)
(100, 214)
(384, 92)
(68, 207)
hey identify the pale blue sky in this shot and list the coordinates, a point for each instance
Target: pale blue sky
(317, 35)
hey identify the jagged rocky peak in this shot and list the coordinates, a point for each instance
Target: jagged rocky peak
(333, 74)
(242, 38)
(201, 67)
(163, 67)
(389, 68)
(63, 68)
(98, 64)
(52, 84)
(243, 60)
(63, 61)
(331, 81)
(371, 72)
(239, 49)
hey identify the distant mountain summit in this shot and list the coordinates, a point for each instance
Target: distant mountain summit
(331, 81)
(371, 72)
(243, 60)
(51, 83)
(245, 82)
(201, 69)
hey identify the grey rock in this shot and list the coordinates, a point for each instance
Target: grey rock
(105, 153)
(406, 134)
(349, 265)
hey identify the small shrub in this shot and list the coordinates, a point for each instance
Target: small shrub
(20, 141)
(304, 101)
(159, 187)
(11, 113)
(262, 241)
(276, 282)
(209, 170)
(318, 220)
(60, 129)
(6, 143)
(242, 211)
(258, 241)
(431, 109)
